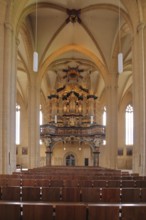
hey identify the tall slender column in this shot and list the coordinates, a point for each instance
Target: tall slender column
(2, 39)
(139, 91)
(111, 128)
(33, 122)
(9, 95)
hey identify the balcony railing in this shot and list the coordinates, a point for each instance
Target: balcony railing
(52, 130)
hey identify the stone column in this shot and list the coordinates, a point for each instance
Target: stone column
(33, 122)
(9, 94)
(13, 105)
(139, 99)
(111, 127)
(2, 40)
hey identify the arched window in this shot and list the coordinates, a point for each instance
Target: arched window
(70, 160)
(17, 137)
(129, 125)
(104, 121)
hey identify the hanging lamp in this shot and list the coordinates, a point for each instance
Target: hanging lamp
(120, 54)
(35, 53)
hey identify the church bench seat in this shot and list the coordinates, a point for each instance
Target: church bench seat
(70, 212)
(103, 212)
(85, 183)
(42, 182)
(90, 195)
(130, 195)
(71, 183)
(10, 212)
(99, 183)
(134, 212)
(37, 212)
(114, 183)
(143, 195)
(29, 182)
(70, 194)
(140, 183)
(13, 182)
(127, 183)
(10, 193)
(51, 194)
(56, 183)
(30, 193)
(110, 195)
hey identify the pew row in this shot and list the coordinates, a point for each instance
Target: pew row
(73, 194)
(72, 211)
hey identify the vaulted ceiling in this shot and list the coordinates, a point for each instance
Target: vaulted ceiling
(74, 33)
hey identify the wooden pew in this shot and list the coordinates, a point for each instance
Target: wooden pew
(51, 194)
(10, 212)
(85, 183)
(134, 212)
(90, 195)
(127, 183)
(103, 212)
(71, 194)
(37, 212)
(143, 195)
(10, 193)
(29, 182)
(30, 193)
(3, 182)
(56, 183)
(42, 182)
(71, 183)
(100, 183)
(130, 195)
(110, 195)
(70, 212)
(13, 182)
(140, 183)
(114, 183)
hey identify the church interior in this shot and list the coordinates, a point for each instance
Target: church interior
(72, 109)
(63, 74)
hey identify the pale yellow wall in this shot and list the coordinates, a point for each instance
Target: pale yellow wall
(60, 152)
